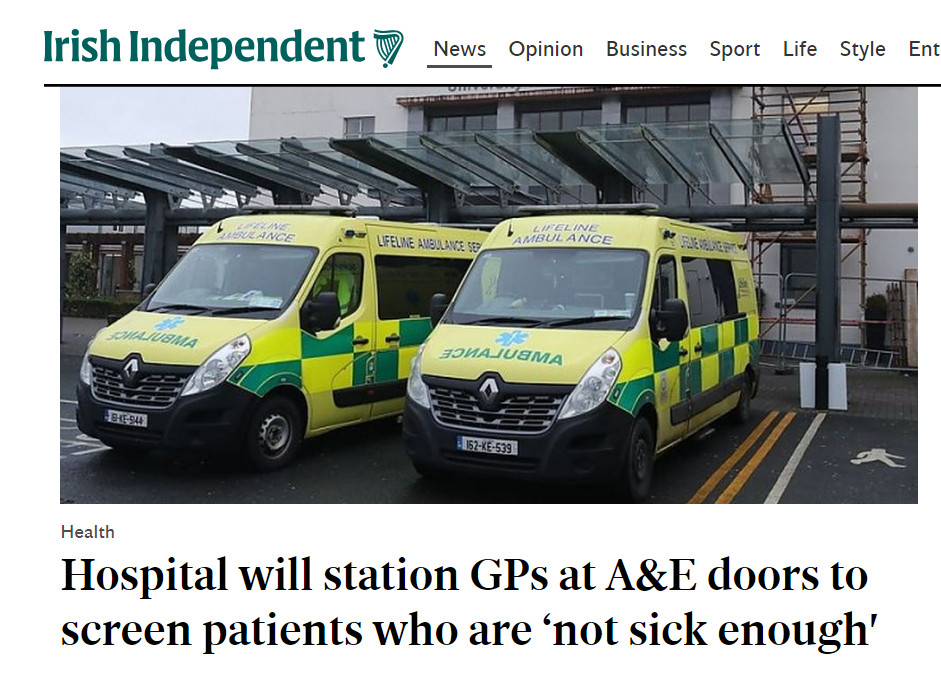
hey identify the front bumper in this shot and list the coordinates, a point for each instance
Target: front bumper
(214, 419)
(589, 448)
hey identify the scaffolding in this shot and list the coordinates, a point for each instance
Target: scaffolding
(797, 108)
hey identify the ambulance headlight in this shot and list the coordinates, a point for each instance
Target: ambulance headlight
(84, 373)
(417, 389)
(594, 386)
(218, 366)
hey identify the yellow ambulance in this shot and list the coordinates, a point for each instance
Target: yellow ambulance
(579, 346)
(271, 328)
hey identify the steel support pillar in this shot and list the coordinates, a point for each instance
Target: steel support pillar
(616, 190)
(160, 238)
(828, 255)
(439, 203)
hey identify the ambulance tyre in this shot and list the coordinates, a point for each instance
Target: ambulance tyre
(742, 412)
(274, 433)
(637, 474)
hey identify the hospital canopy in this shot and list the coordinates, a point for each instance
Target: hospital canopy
(496, 167)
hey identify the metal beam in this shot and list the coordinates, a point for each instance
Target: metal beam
(387, 188)
(670, 157)
(160, 238)
(732, 158)
(249, 170)
(827, 316)
(159, 158)
(298, 167)
(553, 183)
(455, 156)
(635, 178)
(138, 169)
(97, 171)
(399, 163)
(755, 217)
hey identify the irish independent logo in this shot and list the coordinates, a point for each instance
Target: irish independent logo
(388, 43)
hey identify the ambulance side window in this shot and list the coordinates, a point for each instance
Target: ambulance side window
(703, 300)
(723, 281)
(664, 285)
(342, 274)
(405, 284)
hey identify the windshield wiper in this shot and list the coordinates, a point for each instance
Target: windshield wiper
(178, 307)
(503, 320)
(580, 320)
(228, 311)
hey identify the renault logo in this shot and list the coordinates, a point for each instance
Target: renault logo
(489, 391)
(130, 371)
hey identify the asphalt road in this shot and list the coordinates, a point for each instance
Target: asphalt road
(782, 455)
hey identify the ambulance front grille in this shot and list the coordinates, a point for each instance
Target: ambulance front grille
(155, 390)
(514, 414)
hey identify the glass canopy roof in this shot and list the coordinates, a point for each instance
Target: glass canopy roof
(505, 167)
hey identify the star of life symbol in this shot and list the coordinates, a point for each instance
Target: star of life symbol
(512, 337)
(169, 324)
(877, 454)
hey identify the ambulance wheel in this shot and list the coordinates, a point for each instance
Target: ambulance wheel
(742, 412)
(637, 474)
(274, 434)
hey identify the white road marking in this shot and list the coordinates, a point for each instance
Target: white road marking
(102, 448)
(774, 496)
(68, 402)
(877, 454)
(72, 444)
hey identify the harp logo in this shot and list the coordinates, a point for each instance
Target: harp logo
(388, 43)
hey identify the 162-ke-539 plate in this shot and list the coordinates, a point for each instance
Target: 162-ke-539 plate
(487, 446)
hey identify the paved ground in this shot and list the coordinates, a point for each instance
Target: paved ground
(784, 454)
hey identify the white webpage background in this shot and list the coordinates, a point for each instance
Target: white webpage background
(895, 544)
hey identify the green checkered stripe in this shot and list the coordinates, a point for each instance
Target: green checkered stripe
(369, 367)
(632, 395)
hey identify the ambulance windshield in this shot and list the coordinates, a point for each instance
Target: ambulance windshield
(552, 287)
(257, 280)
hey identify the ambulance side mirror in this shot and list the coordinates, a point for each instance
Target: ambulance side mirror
(149, 288)
(320, 313)
(438, 305)
(671, 321)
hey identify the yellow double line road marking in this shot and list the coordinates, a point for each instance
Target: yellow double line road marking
(739, 481)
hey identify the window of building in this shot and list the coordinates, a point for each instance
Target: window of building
(675, 112)
(405, 284)
(467, 119)
(342, 274)
(559, 119)
(799, 269)
(357, 127)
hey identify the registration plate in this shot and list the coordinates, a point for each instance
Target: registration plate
(126, 418)
(487, 446)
